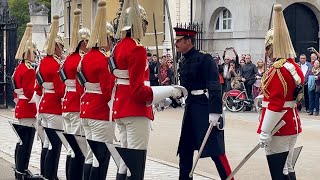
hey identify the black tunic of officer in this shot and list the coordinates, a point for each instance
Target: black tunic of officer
(199, 72)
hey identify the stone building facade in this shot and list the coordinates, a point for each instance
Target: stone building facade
(243, 24)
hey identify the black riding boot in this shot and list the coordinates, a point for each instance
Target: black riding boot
(68, 167)
(135, 160)
(53, 155)
(102, 154)
(276, 164)
(42, 160)
(86, 171)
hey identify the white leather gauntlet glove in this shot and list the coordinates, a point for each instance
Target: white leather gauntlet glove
(213, 118)
(265, 138)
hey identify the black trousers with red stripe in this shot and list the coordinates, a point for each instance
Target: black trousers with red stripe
(186, 162)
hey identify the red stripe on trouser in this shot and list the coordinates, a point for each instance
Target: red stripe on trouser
(225, 163)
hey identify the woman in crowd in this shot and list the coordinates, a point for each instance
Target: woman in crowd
(166, 73)
(257, 84)
(234, 76)
(314, 88)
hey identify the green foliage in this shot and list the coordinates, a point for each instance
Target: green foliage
(20, 10)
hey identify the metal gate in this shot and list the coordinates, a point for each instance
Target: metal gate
(8, 48)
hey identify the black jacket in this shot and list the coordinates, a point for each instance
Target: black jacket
(249, 71)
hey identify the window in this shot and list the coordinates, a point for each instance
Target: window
(223, 22)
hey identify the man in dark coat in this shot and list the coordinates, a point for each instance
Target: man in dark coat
(199, 75)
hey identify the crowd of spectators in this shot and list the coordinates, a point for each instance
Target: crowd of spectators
(234, 70)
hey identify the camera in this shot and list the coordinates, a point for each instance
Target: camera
(311, 49)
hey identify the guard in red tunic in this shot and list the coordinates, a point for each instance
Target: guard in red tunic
(73, 91)
(132, 96)
(280, 86)
(94, 75)
(51, 89)
(25, 110)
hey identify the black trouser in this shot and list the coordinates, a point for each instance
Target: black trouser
(52, 157)
(306, 96)
(186, 162)
(248, 85)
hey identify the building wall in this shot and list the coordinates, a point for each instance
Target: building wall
(250, 20)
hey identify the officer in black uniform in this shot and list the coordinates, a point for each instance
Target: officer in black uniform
(199, 75)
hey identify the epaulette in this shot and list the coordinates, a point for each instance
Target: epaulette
(28, 65)
(279, 63)
(137, 41)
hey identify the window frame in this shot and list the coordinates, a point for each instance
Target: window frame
(220, 19)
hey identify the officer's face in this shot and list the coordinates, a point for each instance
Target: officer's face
(144, 27)
(83, 46)
(58, 49)
(183, 45)
(269, 51)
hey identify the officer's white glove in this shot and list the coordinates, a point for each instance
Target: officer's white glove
(179, 91)
(265, 138)
(213, 118)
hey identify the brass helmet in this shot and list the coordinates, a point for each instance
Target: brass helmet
(110, 29)
(26, 45)
(132, 16)
(269, 38)
(83, 34)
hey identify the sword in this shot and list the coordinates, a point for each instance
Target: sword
(157, 49)
(202, 147)
(254, 150)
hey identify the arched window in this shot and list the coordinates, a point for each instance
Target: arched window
(224, 20)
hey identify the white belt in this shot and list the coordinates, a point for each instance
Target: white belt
(18, 91)
(127, 82)
(287, 104)
(199, 92)
(48, 85)
(124, 74)
(70, 82)
(92, 88)
(48, 90)
(71, 89)
(21, 96)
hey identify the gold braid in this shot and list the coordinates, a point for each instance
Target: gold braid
(283, 82)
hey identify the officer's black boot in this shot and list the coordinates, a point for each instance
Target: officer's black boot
(102, 154)
(86, 171)
(276, 164)
(24, 152)
(42, 160)
(15, 159)
(292, 176)
(68, 167)
(135, 159)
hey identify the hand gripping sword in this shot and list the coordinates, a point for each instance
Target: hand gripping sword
(204, 143)
(254, 150)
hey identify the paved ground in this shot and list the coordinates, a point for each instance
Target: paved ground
(155, 168)
(6, 170)
(240, 139)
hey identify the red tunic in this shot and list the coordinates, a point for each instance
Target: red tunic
(24, 78)
(50, 102)
(71, 100)
(131, 100)
(95, 69)
(277, 98)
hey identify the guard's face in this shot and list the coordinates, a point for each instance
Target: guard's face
(83, 46)
(182, 45)
(58, 49)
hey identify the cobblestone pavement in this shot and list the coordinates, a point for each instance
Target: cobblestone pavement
(155, 168)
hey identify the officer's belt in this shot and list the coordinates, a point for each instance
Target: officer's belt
(287, 104)
(199, 92)
(92, 88)
(127, 82)
(20, 93)
(70, 85)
